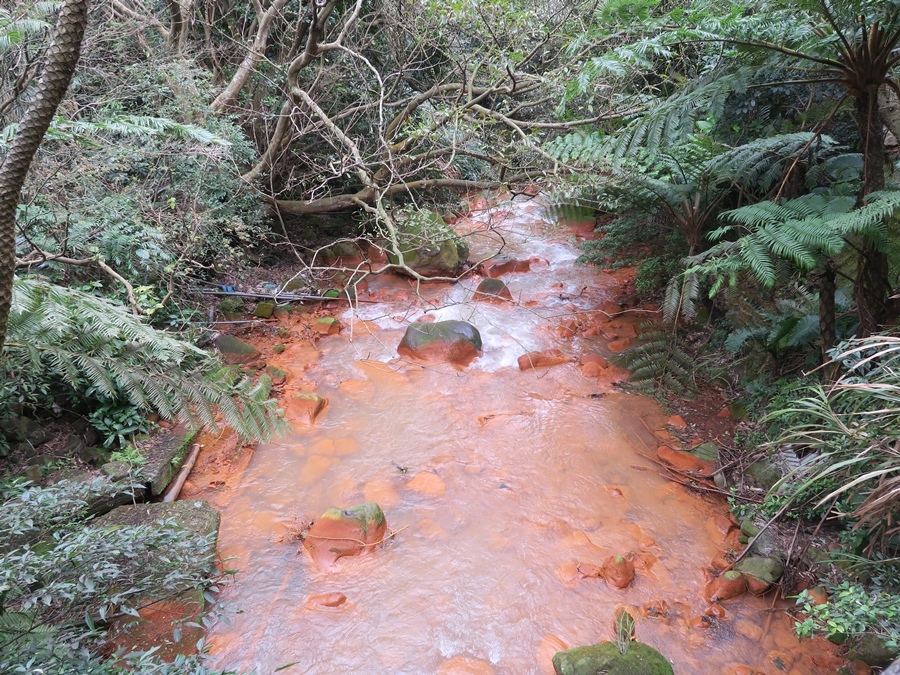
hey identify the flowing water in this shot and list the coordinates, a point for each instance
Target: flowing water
(497, 482)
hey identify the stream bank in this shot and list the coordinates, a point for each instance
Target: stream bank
(506, 486)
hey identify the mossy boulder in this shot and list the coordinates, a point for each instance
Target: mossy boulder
(231, 307)
(873, 650)
(429, 246)
(265, 310)
(639, 659)
(456, 342)
(760, 573)
(764, 473)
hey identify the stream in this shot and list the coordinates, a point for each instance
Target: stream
(497, 483)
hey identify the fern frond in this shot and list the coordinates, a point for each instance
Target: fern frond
(65, 335)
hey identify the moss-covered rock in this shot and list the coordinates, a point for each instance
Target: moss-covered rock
(873, 650)
(231, 307)
(456, 342)
(429, 246)
(264, 310)
(639, 659)
(492, 290)
(235, 351)
(345, 532)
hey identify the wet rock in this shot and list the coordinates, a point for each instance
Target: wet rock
(345, 532)
(590, 571)
(618, 571)
(684, 461)
(720, 562)
(504, 264)
(760, 573)
(677, 422)
(463, 665)
(729, 585)
(591, 370)
(594, 358)
(308, 407)
(456, 342)
(492, 290)
(546, 359)
(429, 247)
(620, 345)
(817, 595)
(326, 600)
(657, 609)
(327, 325)
(640, 659)
(164, 453)
(236, 352)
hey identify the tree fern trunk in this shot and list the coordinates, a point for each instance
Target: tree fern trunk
(61, 59)
(872, 288)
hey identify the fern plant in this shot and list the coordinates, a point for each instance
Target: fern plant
(658, 360)
(81, 341)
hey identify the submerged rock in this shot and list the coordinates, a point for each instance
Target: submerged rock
(492, 290)
(546, 359)
(456, 342)
(307, 407)
(639, 659)
(345, 532)
(504, 264)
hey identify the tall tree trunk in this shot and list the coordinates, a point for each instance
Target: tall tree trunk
(872, 287)
(62, 57)
(827, 317)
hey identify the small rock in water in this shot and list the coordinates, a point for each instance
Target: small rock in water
(618, 571)
(760, 573)
(307, 407)
(327, 325)
(492, 290)
(463, 665)
(547, 359)
(345, 532)
(426, 483)
(504, 264)
(326, 599)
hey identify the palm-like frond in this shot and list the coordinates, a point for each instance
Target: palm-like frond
(65, 335)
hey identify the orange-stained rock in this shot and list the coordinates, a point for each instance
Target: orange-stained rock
(677, 422)
(492, 290)
(381, 491)
(620, 345)
(656, 608)
(306, 408)
(724, 412)
(592, 370)
(859, 668)
(314, 468)
(590, 571)
(327, 325)
(720, 524)
(699, 622)
(463, 665)
(326, 600)
(715, 610)
(496, 267)
(546, 359)
(594, 358)
(720, 562)
(749, 629)
(426, 483)
(345, 532)
(568, 328)
(729, 585)
(548, 648)
(622, 330)
(452, 341)
(817, 595)
(743, 670)
(756, 586)
(618, 571)
(684, 461)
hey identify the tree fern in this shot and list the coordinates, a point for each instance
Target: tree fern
(82, 341)
(657, 359)
(62, 129)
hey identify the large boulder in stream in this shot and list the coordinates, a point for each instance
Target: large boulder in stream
(345, 532)
(428, 245)
(456, 342)
(639, 659)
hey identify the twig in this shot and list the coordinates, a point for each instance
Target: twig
(173, 492)
(357, 541)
